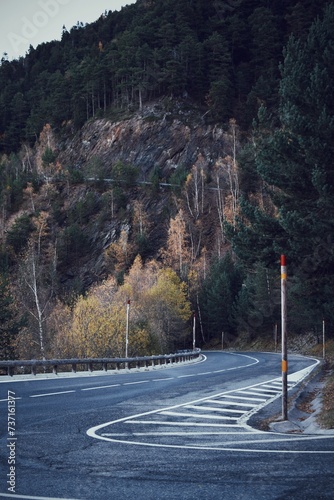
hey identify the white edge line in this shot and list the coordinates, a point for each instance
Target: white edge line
(218, 448)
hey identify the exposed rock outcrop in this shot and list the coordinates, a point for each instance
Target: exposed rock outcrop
(151, 138)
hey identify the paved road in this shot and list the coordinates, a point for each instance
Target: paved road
(176, 433)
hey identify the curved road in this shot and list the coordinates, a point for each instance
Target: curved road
(176, 433)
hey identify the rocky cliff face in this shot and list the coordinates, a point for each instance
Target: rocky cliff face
(151, 138)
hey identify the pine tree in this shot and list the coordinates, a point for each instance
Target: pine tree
(219, 292)
(295, 162)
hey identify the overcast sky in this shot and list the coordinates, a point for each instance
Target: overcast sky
(31, 22)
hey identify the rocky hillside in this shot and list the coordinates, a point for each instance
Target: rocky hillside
(155, 150)
(160, 184)
(150, 139)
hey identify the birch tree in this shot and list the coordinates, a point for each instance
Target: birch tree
(35, 283)
(177, 254)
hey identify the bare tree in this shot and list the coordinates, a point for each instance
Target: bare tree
(35, 282)
(232, 171)
(194, 188)
(177, 253)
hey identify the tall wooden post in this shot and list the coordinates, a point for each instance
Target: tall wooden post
(284, 340)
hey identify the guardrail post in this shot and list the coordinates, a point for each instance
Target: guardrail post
(105, 367)
(90, 366)
(33, 370)
(55, 369)
(74, 368)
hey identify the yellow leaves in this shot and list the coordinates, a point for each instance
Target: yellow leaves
(97, 328)
(159, 312)
(174, 292)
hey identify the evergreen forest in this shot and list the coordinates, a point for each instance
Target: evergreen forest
(242, 90)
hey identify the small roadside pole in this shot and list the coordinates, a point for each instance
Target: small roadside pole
(284, 340)
(222, 341)
(194, 332)
(323, 339)
(127, 329)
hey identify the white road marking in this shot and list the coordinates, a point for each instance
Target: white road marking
(5, 495)
(252, 393)
(173, 433)
(179, 424)
(267, 391)
(243, 398)
(100, 387)
(183, 419)
(50, 394)
(211, 408)
(162, 379)
(217, 448)
(234, 403)
(3, 400)
(211, 416)
(136, 383)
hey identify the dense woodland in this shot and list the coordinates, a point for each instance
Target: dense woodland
(204, 239)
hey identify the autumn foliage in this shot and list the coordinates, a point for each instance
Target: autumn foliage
(96, 325)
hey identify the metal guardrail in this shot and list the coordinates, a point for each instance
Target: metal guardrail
(102, 363)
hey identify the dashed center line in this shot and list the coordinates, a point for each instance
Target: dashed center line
(100, 387)
(50, 394)
(136, 383)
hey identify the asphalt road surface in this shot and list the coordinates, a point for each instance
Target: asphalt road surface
(174, 433)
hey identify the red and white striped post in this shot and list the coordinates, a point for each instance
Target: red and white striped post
(284, 340)
(127, 329)
(194, 332)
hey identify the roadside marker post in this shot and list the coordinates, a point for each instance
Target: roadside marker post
(194, 332)
(284, 340)
(127, 329)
